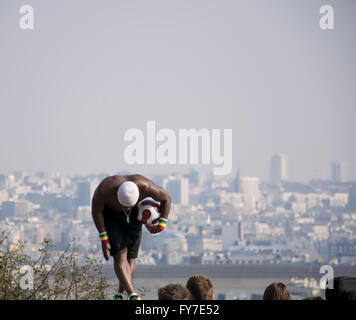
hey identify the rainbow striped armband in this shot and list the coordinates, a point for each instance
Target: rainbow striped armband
(104, 236)
(162, 222)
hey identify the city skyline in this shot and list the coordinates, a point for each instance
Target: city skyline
(225, 222)
(338, 171)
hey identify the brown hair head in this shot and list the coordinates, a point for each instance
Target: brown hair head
(277, 291)
(200, 287)
(173, 292)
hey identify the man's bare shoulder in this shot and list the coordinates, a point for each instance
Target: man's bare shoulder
(137, 177)
(108, 183)
(140, 180)
(113, 180)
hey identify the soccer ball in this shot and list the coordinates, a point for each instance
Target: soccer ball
(149, 211)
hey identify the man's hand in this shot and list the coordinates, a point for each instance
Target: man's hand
(153, 229)
(105, 245)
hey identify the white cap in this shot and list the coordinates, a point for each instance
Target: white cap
(128, 194)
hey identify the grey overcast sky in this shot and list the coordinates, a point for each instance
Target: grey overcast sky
(90, 70)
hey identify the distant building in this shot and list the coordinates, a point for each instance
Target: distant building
(3, 181)
(39, 235)
(83, 213)
(63, 203)
(4, 196)
(250, 189)
(158, 179)
(178, 189)
(195, 244)
(240, 230)
(12, 209)
(212, 244)
(338, 171)
(65, 239)
(7, 210)
(7, 181)
(339, 200)
(236, 182)
(194, 178)
(85, 191)
(278, 167)
(352, 197)
(250, 186)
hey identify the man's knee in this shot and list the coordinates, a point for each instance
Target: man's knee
(132, 261)
(121, 256)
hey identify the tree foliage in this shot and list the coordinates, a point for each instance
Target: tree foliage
(51, 276)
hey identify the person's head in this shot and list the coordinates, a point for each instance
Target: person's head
(173, 292)
(200, 287)
(128, 194)
(277, 291)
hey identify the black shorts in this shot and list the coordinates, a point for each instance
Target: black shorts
(122, 234)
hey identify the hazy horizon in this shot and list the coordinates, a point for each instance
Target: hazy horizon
(70, 88)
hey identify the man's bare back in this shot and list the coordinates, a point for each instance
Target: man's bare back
(106, 192)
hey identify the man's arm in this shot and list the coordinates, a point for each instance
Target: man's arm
(97, 208)
(161, 195)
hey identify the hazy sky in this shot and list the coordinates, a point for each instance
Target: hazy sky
(90, 70)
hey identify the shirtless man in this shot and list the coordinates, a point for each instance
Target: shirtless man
(114, 211)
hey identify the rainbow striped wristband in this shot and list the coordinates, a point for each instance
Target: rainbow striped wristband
(162, 222)
(104, 236)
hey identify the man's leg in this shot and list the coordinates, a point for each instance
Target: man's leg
(123, 272)
(132, 264)
(131, 255)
